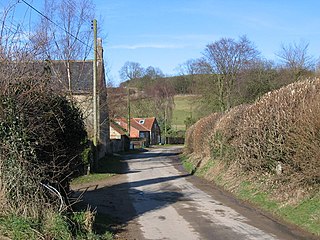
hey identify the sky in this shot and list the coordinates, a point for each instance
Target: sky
(167, 33)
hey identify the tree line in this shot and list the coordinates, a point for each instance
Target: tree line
(230, 72)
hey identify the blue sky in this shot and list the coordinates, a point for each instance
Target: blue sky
(166, 33)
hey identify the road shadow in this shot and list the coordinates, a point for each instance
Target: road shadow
(113, 164)
(144, 155)
(122, 202)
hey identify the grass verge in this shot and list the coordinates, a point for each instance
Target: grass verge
(92, 177)
(15, 227)
(305, 214)
(188, 166)
(66, 226)
(104, 224)
(107, 167)
(54, 226)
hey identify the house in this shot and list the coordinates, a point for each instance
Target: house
(143, 131)
(153, 128)
(119, 141)
(74, 79)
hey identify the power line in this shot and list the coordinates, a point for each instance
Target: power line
(66, 31)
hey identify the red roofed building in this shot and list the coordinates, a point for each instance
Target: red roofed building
(119, 141)
(116, 131)
(142, 128)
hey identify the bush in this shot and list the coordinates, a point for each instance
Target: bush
(202, 132)
(277, 135)
(41, 141)
(282, 129)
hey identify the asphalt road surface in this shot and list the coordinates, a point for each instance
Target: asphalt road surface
(156, 199)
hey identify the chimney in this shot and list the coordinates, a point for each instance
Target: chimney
(99, 50)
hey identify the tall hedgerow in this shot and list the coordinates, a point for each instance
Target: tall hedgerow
(42, 136)
(281, 130)
(278, 136)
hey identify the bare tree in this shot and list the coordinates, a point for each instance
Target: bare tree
(317, 67)
(227, 59)
(295, 57)
(195, 66)
(153, 73)
(258, 79)
(191, 73)
(117, 102)
(162, 94)
(130, 71)
(13, 36)
(65, 31)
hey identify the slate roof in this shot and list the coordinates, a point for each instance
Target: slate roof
(81, 73)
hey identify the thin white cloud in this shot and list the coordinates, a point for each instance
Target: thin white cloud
(156, 46)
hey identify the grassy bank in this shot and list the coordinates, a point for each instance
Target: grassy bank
(304, 212)
(66, 226)
(76, 225)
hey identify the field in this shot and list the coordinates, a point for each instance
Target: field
(185, 106)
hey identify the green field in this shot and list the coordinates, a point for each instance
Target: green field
(184, 107)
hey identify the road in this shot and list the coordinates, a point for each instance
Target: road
(156, 199)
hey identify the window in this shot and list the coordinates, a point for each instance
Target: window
(142, 134)
(141, 121)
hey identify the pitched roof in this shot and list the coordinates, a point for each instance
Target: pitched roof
(56, 72)
(118, 128)
(81, 74)
(137, 123)
(147, 123)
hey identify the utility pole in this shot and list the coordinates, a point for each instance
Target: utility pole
(165, 124)
(94, 98)
(129, 114)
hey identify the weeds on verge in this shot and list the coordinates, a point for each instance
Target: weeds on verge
(77, 225)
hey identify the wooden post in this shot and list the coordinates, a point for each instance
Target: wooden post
(165, 124)
(94, 97)
(129, 114)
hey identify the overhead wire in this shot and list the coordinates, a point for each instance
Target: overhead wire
(54, 23)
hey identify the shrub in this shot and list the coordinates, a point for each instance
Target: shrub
(280, 132)
(282, 128)
(41, 141)
(201, 134)
(225, 134)
(189, 140)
